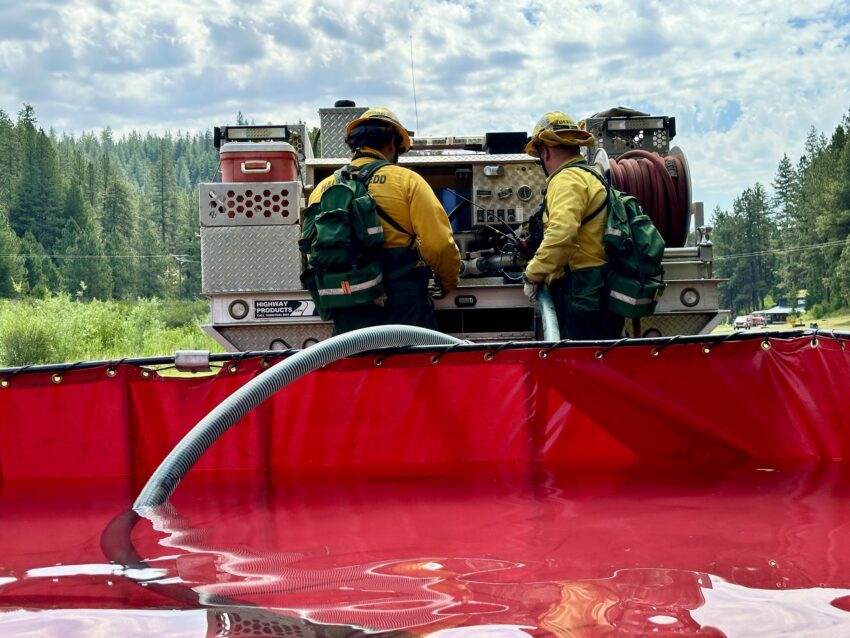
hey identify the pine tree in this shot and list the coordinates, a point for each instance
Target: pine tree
(729, 243)
(9, 162)
(74, 207)
(786, 187)
(153, 266)
(754, 207)
(118, 221)
(842, 274)
(12, 268)
(37, 202)
(91, 183)
(813, 168)
(86, 272)
(162, 191)
(746, 230)
(42, 275)
(188, 247)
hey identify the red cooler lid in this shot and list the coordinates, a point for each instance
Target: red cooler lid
(256, 147)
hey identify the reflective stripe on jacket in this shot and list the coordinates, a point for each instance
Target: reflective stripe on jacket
(408, 199)
(570, 196)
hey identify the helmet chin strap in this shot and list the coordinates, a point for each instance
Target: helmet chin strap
(540, 161)
(396, 148)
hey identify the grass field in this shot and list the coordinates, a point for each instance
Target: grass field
(59, 329)
(838, 320)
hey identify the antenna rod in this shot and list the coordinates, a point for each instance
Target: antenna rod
(413, 80)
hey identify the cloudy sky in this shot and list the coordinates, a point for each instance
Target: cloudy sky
(745, 79)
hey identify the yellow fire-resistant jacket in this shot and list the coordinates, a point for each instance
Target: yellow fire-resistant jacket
(408, 199)
(571, 195)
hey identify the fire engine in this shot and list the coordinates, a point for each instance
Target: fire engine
(250, 226)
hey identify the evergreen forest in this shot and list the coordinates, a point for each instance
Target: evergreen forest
(792, 241)
(96, 217)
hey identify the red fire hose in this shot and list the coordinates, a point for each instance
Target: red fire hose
(660, 184)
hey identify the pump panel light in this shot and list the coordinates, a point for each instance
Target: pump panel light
(246, 133)
(238, 309)
(689, 297)
(465, 301)
(635, 124)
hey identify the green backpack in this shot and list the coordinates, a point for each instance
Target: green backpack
(342, 237)
(635, 248)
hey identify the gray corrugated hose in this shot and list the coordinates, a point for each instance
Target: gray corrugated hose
(185, 454)
(551, 332)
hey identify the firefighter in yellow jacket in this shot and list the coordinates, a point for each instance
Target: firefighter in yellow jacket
(418, 235)
(571, 260)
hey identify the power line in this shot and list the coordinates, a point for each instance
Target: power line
(413, 80)
(30, 256)
(828, 244)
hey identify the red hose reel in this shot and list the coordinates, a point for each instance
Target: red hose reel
(662, 185)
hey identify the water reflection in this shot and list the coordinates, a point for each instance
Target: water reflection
(656, 551)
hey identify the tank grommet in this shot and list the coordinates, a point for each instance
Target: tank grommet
(111, 372)
(765, 345)
(489, 356)
(599, 354)
(56, 378)
(542, 354)
(434, 360)
(146, 373)
(233, 369)
(656, 352)
(379, 362)
(814, 343)
(706, 349)
(4, 383)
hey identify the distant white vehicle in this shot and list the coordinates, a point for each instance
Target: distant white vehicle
(741, 323)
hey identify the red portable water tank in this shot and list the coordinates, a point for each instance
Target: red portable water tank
(258, 162)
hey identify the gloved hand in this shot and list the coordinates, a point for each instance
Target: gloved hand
(436, 291)
(530, 288)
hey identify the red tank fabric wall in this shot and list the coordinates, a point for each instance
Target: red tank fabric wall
(739, 401)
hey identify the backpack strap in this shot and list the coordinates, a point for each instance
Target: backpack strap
(363, 174)
(585, 167)
(596, 212)
(412, 238)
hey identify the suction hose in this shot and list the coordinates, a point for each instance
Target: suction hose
(551, 332)
(186, 453)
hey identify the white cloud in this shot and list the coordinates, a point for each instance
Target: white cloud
(744, 78)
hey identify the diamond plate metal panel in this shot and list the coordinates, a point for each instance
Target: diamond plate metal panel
(249, 203)
(333, 122)
(667, 325)
(300, 141)
(264, 337)
(250, 258)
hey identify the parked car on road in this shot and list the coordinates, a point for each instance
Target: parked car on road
(741, 323)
